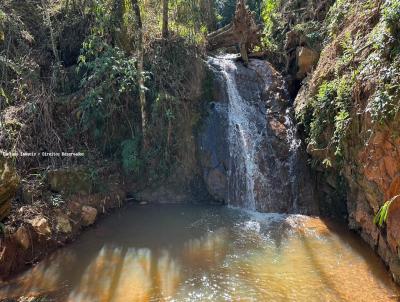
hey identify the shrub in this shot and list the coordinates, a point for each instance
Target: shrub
(130, 154)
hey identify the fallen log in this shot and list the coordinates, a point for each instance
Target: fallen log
(242, 31)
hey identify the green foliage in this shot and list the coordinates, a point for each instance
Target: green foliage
(226, 9)
(314, 31)
(386, 103)
(331, 111)
(108, 75)
(273, 21)
(131, 160)
(383, 213)
(348, 51)
(391, 15)
(337, 15)
(384, 64)
(323, 111)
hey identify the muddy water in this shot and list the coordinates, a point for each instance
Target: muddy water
(193, 253)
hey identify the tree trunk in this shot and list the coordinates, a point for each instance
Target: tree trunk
(242, 31)
(140, 58)
(165, 19)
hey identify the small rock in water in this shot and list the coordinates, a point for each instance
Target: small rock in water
(143, 203)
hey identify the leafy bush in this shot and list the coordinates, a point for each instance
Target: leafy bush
(336, 16)
(313, 31)
(385, 103)
(323, 111)
(131, 160)
(108, 74)
(331, 107)
(391, 15)
(273, 21)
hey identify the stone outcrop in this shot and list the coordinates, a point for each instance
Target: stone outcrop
(34, 232)
(69, 181)
(306, 59)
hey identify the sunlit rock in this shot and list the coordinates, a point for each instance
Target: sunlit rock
(22, 236)
(89, 215)
(41, 225)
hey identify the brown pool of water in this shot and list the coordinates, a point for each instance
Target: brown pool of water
(201, 253)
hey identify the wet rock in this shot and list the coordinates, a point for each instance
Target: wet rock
(213, 149)
(70, 181)
(306, 59)
(89, 215)
(41, 226)
(62, 224)
(22, 237)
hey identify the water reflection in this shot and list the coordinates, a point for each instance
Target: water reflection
(253, 258)
(207, 250)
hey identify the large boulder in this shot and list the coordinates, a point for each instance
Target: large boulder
(306, 59)
(62, 224)
(69, 181)
(89, 215)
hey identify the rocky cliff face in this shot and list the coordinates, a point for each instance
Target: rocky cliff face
(249, 151)
(349, 109)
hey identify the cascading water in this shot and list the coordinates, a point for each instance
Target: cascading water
(242, 138)
(264, 165)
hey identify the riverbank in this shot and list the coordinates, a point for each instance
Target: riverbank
(51, 217)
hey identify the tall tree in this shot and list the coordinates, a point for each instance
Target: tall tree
(165, 19)
(140, 54)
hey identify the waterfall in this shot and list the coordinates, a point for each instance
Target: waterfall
(242, 138)
(266, 168)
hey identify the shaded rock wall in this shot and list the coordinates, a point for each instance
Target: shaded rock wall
(356, 149)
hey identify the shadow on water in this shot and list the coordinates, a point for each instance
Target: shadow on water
(353, 240)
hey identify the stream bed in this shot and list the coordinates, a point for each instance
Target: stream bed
(205, 253)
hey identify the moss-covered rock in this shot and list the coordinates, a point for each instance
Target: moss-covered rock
(70, 181)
